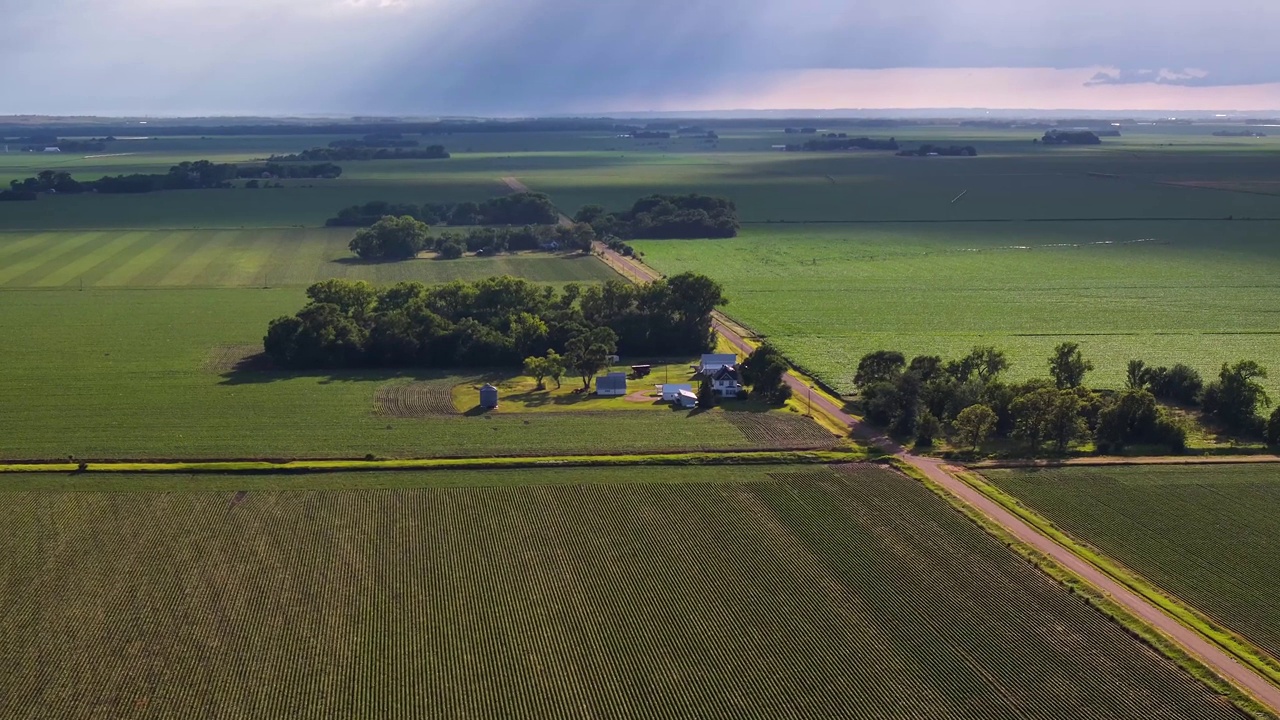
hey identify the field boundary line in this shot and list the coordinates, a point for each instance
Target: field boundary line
(1186, 615)
(1010, 220)
(1169, 647)
(1260, 457)
(262, 467)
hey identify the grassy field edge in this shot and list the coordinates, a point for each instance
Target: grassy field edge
(1079, 587)
(1230, 642)
(766, 457)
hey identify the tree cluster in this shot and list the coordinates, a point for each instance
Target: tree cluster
(1071, 137)
(517, 209)
(651, 135)
(1233, 400)
(945, 151)
(663, 217)
(967, 399)
(495, 322)
(199, 175)
(402, 237)
(764, 370)
(829, 144)
(342, 154)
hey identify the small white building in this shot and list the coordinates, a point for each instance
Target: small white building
(671, 391)
(711, 362)
(687, 399)
(53, 149)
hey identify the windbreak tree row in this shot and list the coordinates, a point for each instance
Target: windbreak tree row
(519, 209)
(495, 322)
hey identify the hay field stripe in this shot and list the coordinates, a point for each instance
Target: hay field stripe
(192, 269)
(20, 273)
(84, 263)
(12, 250)
(246, 259)
(158, 256)
(183, 243)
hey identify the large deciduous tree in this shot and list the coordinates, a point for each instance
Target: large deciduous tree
(1067, 366)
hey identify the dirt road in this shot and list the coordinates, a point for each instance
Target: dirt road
(1204, 650)
(517, 186)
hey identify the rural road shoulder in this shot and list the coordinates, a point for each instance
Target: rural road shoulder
(1204, 650)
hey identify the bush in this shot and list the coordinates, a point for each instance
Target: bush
(1273, 428)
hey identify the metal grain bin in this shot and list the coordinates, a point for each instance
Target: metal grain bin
(488, 397)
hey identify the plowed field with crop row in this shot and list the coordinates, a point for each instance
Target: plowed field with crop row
(833, 594)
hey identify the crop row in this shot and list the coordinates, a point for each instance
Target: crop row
(1207, 534)
(821, 593)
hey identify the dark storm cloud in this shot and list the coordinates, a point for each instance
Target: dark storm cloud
(539, 56)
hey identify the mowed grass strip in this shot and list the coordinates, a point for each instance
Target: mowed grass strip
(809, 594)
(1207, 534)
(245, 258)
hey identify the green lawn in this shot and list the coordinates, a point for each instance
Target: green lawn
(245, 258)
(1207, 534)
(1202, 293)
(149, 374)
(792, 594)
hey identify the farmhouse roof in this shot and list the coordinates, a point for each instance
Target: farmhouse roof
(726, 372)
(612, 381)
(719, 359)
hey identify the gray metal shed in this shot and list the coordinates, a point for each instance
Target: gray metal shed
(613, 384)
(488, 397)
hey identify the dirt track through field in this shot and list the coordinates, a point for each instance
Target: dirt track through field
(1203, 649)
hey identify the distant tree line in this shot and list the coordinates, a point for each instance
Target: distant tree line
(495, 322)
(341, 154)
(650, 134)
(662, 217)
(1071, 137)
(800, 130)
(829, 144)
(376, 140)
(394, 238)
(517, 209)
(927, 397)
(948, 151)
(199, 175)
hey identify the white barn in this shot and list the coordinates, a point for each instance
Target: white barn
(671, 391)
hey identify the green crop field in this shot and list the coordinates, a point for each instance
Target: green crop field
(154, 373)
(245, 258)
(1203, 293)
(1207, 534)
(824, 593)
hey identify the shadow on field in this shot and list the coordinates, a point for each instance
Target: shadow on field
(258, 374)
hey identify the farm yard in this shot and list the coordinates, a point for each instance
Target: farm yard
(1208, 534)
(786, 594)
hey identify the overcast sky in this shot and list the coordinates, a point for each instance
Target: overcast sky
(522, 57)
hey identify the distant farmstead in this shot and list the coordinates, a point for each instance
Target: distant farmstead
(53, 149)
